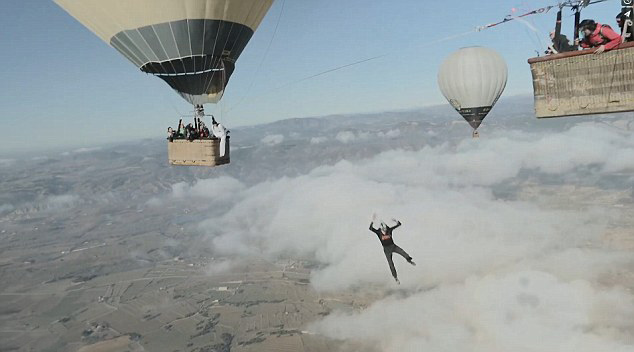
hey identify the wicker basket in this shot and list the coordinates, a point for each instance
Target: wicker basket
(582, 83)
(199, 152)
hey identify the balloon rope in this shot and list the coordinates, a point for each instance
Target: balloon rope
(266, 52)
(358, 62)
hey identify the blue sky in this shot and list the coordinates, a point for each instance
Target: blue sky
(63, 87)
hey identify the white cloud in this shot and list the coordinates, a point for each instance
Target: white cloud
(508, 275)
(520, 311)
(220, 189)
(318, 140)
(349, 136)
(346, 136)
(219, 267)
(86, 150)
(273, 139)
(390, 134)
(81, 151)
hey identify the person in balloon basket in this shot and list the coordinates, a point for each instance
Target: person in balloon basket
(219, 131)
(191, 132)
(180, 131)
(170, 134)
(384, 233)
(621, 21)
(560, 44)
(600, 36)
(204, 131)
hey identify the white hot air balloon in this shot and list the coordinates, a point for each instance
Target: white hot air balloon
(473, 79)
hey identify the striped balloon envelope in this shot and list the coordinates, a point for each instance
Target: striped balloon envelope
(193, 45)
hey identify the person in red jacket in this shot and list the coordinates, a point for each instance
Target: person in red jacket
(600, 36)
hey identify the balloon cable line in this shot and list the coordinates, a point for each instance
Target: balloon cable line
(477, 29)
(330, 70)
(266, 52)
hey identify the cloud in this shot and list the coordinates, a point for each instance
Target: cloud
(220, 189)
(492, 275)
(346, 136)
(520, 311)
(318, 140)
(219, 267)
(81, 151)
(273, 139)
(86, 150)
(349, 136)
(395, 133)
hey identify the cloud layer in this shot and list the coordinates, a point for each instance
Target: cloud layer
(493, 274)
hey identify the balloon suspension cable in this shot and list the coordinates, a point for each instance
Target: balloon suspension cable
(538, 34)
(334, 69)
(266, 52)
(222, 104)
(569, 3)
(531, 30)
(509, 18)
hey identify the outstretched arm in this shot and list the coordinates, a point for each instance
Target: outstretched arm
(372, 223)
(398, 223)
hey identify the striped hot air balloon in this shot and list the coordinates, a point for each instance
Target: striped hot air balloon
(192, 45)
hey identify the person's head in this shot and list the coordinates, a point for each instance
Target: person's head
(169, 129)
(213, 121)
(383, 227)
(587, 27)
(620, 19)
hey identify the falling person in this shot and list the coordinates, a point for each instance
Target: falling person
(385, 236)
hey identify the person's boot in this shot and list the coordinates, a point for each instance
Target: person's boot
(397, 281)
(411, 261)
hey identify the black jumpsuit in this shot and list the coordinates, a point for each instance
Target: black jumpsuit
(389, 246)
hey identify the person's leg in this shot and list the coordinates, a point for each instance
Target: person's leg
(402, 252)
(388, 254)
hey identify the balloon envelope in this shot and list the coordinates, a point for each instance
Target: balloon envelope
(473, 79)
(190, 44)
